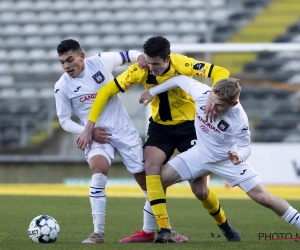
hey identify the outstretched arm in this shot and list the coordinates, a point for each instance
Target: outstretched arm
(85, 138)
(189, 85)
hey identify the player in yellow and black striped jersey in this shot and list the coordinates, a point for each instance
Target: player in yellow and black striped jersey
(169, 108)
(171, 125)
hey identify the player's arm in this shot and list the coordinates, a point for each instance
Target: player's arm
(85, 138)
(64, 112)
(186, 83)
(115, 59)
(243, 149)
(121, 83)
(205, 69)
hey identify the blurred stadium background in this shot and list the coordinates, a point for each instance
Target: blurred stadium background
(31, 139)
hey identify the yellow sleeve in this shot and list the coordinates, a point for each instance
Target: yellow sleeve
(218, 73)
(129, 78)
(206, 69)
(102, 97)
(190, 66)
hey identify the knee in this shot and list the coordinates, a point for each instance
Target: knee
(201, 192)
(151, 169)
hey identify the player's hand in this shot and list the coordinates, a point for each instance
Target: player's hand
(142, 62)
(101, 136)
(146, 98)
(85, 138)
(209, 108)
(233, 156)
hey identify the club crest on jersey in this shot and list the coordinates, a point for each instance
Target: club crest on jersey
(98, 77)
(199, 66)
(222, 125)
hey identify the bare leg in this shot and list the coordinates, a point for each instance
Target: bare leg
(283, 209)
(262, 196)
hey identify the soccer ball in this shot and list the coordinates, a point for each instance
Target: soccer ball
(43, 229)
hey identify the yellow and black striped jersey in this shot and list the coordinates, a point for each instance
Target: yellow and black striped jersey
(171, 107)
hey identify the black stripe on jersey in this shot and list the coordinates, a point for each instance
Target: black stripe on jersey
(118, 85)
(157, 201)
(216, 212)
(210, 70)
(164, 107)
(151, 78)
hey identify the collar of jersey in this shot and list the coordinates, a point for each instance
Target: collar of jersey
(167, 69)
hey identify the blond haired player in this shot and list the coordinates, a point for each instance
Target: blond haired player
(223, 147)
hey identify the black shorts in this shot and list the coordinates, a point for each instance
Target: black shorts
(171, 137)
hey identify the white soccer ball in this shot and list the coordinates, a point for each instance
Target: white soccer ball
(43, 229)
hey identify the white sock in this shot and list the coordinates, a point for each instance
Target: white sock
(149, 219)
(98, 201)
(292, 216)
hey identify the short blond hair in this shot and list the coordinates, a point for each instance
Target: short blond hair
(228, 89)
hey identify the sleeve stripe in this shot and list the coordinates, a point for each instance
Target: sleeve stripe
(118, 85)
(210, 70)
(127, 55)
(123, 57)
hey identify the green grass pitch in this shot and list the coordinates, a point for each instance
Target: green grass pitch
(125, 214)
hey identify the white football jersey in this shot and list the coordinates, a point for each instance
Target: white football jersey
(77, 94)
(230, 131)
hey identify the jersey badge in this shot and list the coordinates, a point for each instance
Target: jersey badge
(198, 66)
(98, 77)
(222, 125)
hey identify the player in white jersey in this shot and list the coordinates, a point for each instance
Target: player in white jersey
(76, 91)
(223, 146)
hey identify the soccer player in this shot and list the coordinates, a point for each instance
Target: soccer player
(171, 127)
(75, 91)
(222, 148)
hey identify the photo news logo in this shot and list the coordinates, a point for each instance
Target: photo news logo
(278, 236)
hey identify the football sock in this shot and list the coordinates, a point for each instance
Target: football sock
(98, 201)
(149, 219)
(292, 216)
(213, 207)
(157, 200)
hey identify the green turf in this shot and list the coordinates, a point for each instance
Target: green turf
(123, 214)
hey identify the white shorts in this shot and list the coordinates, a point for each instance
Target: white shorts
(129, 146)
(190, 166)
